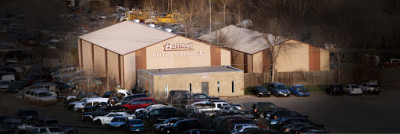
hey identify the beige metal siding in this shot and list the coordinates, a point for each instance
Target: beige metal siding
(324, 57)
(113, 71)
(87, 56)
(293, 56)
(225, 57)
(238, 59)
(258, 62)
(158, 58)
(99, 62)
(80, 52)
(129, 71)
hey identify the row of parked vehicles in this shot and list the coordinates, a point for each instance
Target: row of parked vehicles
(27, 121)
(369, 87)
(280, 89)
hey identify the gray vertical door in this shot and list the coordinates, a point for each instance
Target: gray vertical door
(204, 87)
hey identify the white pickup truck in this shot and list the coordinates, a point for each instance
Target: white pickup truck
(106, 119)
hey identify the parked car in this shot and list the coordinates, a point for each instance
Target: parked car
(89, 102)
(172, 93)
(4, 85)
(299, 90)
(135, 125)
(308, 129)
(161, 114)
(159, 127)
(131, 97)
(239, 128)
(181, 99)
(106, 119)
(334, 89)
(183, 125)
(88, 116)
(48, 130)
(25, 114)
(17, 85)
(289, 120)
(40, 96)
(288, 128)
(141, 111)
(201, 131)
(202, 97)
(259, 109)
(139, 103)
(278, 89)
(370, 87)
(352, 89)
(260, 91)
(118, 122)
(46, 122)
(277, 115)
(195, 109)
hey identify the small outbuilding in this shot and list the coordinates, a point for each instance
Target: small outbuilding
(214, 81)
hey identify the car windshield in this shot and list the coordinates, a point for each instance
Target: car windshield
(266, 105)
(118, 120)
(55, 129)
(262, 89)
(355, 86)
(135, 121)
(44, 94)
(301, 89)
(281, 87)
(203, 106)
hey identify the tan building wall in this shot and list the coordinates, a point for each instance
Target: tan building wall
(293, 56)
(225, 57)
(324, 57)
(238, 59)
(182, 81)
(258, 62)
(129, 70)
(99, 61)
(158, 58)
(113, 65)
(80, 53)
(87, 56)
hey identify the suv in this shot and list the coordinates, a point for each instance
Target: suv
(203, 97)
(180, 100)
(278, 89)
(131, 97)
(370, 87)
(40, 96)
(173, 92)
(139, 103)
(106, 119)
(260, 108)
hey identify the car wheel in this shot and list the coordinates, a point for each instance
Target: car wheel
(258, 95)
(98, 122)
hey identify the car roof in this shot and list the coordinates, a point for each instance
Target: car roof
(276, 83)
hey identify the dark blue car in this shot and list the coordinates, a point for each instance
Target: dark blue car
(299, 90)
(135, 125)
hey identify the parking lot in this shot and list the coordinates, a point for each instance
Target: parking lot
(342, 114)
(361, 114)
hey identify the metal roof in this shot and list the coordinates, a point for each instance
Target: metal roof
(242, 39)
(126, 37)
(191, 70)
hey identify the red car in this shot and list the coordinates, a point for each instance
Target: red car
(139, 103)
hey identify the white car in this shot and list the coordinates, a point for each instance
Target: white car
(40, 96)
(48, 130)
(352, 89)
(197, 108)
(239, 128)
(106, 119)
(80, 104)
(370, 87)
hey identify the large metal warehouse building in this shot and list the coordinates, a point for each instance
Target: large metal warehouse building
(118, 51)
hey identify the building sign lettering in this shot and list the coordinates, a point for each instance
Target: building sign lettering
(178, 49)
